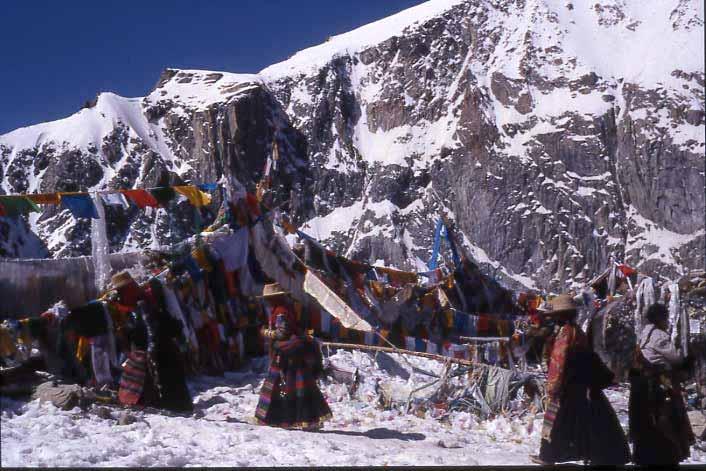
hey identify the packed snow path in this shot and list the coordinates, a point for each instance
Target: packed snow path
(222, 432)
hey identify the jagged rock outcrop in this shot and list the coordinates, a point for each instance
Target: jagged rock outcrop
(553, 134)
(154, 141)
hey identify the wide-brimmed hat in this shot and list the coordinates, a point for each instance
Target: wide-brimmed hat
(560, 304)
(121, 279)
(271, 290)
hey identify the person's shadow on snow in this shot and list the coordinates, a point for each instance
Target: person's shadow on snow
(379, 434)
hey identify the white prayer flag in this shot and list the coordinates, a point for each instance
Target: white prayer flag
(115, 199)
(694, 326)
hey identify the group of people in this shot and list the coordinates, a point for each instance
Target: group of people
(579, 422)
(153, 374)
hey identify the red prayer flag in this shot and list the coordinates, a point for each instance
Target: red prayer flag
(141, 198)
(483, 325)
(253, 205)
(626, 270)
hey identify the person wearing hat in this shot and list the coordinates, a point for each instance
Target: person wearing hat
(290, 397)
(579, 422)
(127, 291)
(659, 425)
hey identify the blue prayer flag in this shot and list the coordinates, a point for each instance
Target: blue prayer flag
(81, 206)
(460, 322)
(437, 245)
(193, 268)
(420, 345)
(208, 186)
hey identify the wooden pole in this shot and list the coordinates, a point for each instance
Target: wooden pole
(375, 348)
(485, 339)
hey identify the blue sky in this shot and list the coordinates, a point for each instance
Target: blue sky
(58, 54)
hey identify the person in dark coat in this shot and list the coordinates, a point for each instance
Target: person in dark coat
(153, 374)
(659, 425)
(579, 422)
(165, 334)
(290, 397)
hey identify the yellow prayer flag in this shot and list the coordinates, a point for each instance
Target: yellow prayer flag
(84, 345)
(201, 258)
(195, 196)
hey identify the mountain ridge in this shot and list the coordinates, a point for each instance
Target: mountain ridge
(488, 111)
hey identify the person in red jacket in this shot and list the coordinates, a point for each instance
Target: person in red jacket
(579, 422)
(290, 397)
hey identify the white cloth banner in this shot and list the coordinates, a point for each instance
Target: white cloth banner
(275, 257)
(174, 309)
(100, 249)
(233, 249)
(674, 309)
(101, 360)
(333, 304)
(644, 298)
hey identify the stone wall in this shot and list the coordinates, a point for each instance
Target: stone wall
(29, 287)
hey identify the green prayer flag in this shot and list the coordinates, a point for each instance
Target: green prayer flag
(17, 205)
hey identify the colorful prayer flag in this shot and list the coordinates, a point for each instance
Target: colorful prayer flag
(195, 196)
(18, 205)
(208, 186)
(45, 198)
(115, 199)
(626, 270)
(80, 205)
(141, 198)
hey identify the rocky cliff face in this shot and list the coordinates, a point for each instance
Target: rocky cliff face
(146, 142)
(552, 134)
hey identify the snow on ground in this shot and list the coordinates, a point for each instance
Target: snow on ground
(224, 434)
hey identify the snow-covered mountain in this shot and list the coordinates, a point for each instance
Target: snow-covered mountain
(553, 133)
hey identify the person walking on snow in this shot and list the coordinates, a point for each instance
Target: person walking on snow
(290, 397)
(659, 425)
(579, 422)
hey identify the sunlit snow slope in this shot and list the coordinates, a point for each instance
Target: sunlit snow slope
(553, 133)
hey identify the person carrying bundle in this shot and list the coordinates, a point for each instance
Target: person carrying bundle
(579, 422)
(659, 425)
